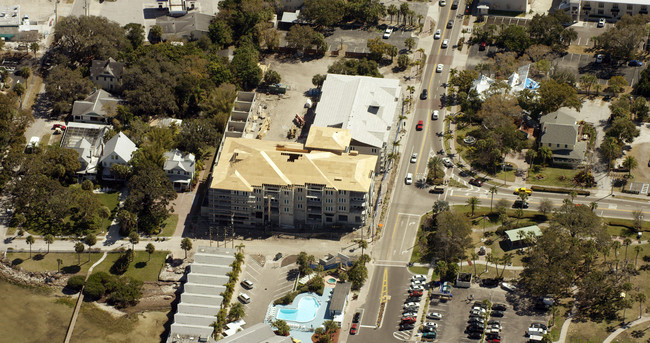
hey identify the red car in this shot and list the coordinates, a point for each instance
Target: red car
(481, 47)
(408, 320)
(58, 126)
(494, 341)
(476, 182)
(353, 329)
(419, 126)
(415, 293)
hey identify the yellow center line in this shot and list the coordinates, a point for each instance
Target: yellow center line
(426, 129)
(392, 237)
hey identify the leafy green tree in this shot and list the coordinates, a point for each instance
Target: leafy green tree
(304, 37)
(515, 38)
(617, 84)
(323, 13)
(610, 149)
(90, 240)
(79, 248)
(135, 34)
(19, 90)
(271, 76)
(358, 273)
(150, 250)
(134, 239)
(49, 239)
(640, 109)
(392, 10)
(553, 95)
(155, 34)
(623, 129)
(643, 85)
(545, 153)
(409, 43)
(76, 282)
(304, 262)
(86, 38)
(587, 81)
(630, 163)
(125, 291)
(63, 86)
(404, 10)
(545, 206)
(150, 192)
(318, 80)
(197, 135)
(622, 40)
(366, 11)
(440, 206)
(34, 47)
(472, 203)
(361, 67)
(220, 33)
(245, 66)
(236, 312)
(282, 327)
(127, 221)
(493, 190)
(186, 245)
(392, 51)
(451, 237)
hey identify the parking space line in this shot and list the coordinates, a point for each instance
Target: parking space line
(252, 277)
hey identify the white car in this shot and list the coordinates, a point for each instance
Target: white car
(409, 179)
(601, 22)
(414, 158)
(412, 304)
(419, 277)
(388, 32)
(434, 115)
(445, 42)
(431, 325)
(599, 58)
(478, 309)
(447, 162)
(410, 314)
(416, 282)
(508, 287)
(439, 68)
(434, 315)
(443, 3)
(438, 34)
(417, 288)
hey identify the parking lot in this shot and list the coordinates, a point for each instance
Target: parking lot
(356, 40)
(271, 281)
(515, 321)
(507, 21)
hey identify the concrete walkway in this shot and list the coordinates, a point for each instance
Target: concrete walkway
(618, 331)
(80, 301)
(564, 331)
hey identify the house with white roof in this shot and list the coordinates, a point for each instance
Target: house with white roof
(517, 82)
(88, 141)
(97, 108)
(179, 168)
(118, 150)
(366, 106)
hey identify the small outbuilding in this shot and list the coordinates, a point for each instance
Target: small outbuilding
(516, 238)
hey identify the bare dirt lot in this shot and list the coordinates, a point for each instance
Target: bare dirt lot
(641, 151)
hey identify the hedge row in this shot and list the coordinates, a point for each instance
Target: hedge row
(560, 190)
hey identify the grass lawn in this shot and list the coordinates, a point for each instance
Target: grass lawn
(554, 177)
(498, 177)
(415, 254)
(48, 262)
(587, 332)
(491, 271)
(170, 226)
(139, 269)
(45, 139)
(419, 270)
(110, 200)
(639, 333)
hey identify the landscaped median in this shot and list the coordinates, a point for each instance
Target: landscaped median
(560, 190)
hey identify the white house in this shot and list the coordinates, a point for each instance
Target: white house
(107, 74)
(516, 82)
(97, 108)
(118, 150)
(179, 168)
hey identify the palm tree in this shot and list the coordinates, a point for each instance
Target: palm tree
(330, 326)
(237, 312)
(363, 244)
(411, 90)
(59, 262)
(474, 257)
(49, 239)
(186, 244)
(587, 81)
(531, 155)
(392, 10)
(545, 153)
(630, 163)
(150, 250)
(30, 240)
(472, 203)
(493, 190)
(627, 243)
(90, 240)
(616, 245)
(488, 259)
(506, 259)
(593, 205)
(435, 162)
(79, 248)
(641, 298)
(637, 251)
(104, 213)
(440, 268)
(134, 239)
(240, 247)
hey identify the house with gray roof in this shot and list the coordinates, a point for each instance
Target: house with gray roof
(339, 300)
(97, 108)
(560, 132)
(367, 106)
(107, 74)
(179, 168)
(189, 27)
(118, 150)
(258, 333)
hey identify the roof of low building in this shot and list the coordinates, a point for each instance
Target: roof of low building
(513, 235)
(245, 163)
(339, 295)
(185, 25)
(563, 116)
(577, 153)
(99, 102)
(559, 134)
(328, 138)
(177, 159)
(365, 105)
(121, 145)
(106, 67)
(258, 333)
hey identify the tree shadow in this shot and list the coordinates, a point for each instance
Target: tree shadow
(73, 269)
(38, 257)
(17, 261)
(140, 265)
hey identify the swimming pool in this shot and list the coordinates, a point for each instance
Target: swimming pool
(305, 311)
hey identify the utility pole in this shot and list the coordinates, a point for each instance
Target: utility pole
(232, 231)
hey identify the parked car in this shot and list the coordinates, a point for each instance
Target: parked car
(58, 126)
(494, 322)
(475, 328)
(409, 314)
(475, 335)
(419, 126)
(411, 304)
(353, 329)
(431, 325)
(414, 158)
(247, 284)
(438, 34)
(415, 293)
(482, 46)
(424, 95)
(490, 282)
(419, 277)
(417, 287)
(408, 179)
(599, 58)
(431, 334)
(601, 22)
(476, 320)
(434, 115)
(497, 313)
(476, 182)
(447, 162)
(499, 307)
(437, 190)
(409, 319)
(388, 32)
(414, 299)
(357, 317)
(508, 287)
(406, 326)
(434, 315)
(635, 63)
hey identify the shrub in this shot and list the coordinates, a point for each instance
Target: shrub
(121, 265)
(560, 190)
(286, 299)
(94, 290)
(76, 282)
(125, 292)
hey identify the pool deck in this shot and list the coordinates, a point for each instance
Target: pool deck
(304, 331)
